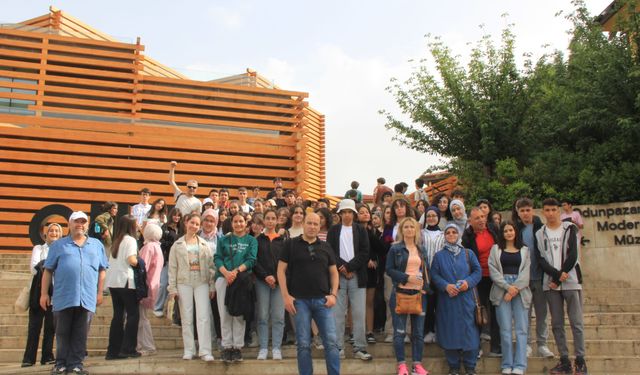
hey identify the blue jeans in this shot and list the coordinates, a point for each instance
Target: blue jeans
(270, 305)
(350, 294)
(162, 291)
(314, 308)
(508, 312)
(399, 330)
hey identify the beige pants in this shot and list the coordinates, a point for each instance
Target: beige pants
(145, 335)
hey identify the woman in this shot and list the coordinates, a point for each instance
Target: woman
(104, 224)
(124, 255)
(442, 202)
(283, 220)
(487, 209)
(171, 231)
(509, 264)
(433, 239)
(235, 257)
(364, 218)
(407, 267)
(399, 210)
(421, 207)
(496, 217)
(297, 220)
(455, 272)
(157, 214)
(270, 304)
(256, 225)
(190, 262)
(151, 254)
(325, 222)
(458, 215)
(387, 239)
(36, 314)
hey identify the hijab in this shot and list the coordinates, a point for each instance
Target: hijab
(454, 248)
(432, 228)
(462, 222)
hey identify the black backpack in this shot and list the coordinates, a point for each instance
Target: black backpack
(140, 280)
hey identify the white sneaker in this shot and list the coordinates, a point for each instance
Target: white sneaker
(187, 357)
(517, 371)
(430, 338)
(207, 358)
(342, 354)
(529, 351)
(407, 339)
(485, 337)
(158, 314)
(262, 354)
(317, 341)
(389, 338)
(544, 351)
(479, 353)
(506, 371)
(276, 354)
(363, 355)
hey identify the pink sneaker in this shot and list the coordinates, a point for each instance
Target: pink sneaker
(402, 369)
(419, 370)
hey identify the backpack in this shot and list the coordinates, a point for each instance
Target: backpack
(140, 280)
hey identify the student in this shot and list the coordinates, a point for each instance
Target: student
(442, 202)
(433, 240)
(151, 254)
(242, 201)
(509, 264)
(558, 247)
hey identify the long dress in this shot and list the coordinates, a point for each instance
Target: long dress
(455, 317)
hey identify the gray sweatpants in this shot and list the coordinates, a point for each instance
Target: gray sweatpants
(556, 300)
(539, 303)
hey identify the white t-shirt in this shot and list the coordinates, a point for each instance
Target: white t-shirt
(555, 245)
(246, 208)
(140, 211)
(187, 205)
(120, 272)
(346, 243)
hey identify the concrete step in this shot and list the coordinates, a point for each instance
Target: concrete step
(170, 363)
(96, 330)
(101, 318)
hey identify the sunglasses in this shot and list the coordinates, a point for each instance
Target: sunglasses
(312, 252)
(192, 187)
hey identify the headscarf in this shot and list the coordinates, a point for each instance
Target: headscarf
(213, 213)
(454, 248)
(432, 227)
(462, 222)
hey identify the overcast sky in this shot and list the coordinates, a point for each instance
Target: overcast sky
(343, 53)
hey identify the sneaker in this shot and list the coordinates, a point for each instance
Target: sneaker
(342, 354)
(454, 371)
(402, 369)
(78, 371)
(226, 355)
(236, 355)
(485, 337)
(187, 357)
(471, 372)
(544, 352)
(207, 358)
(371, 339)
(580, 367)
(276, 354)
(517, 371)
(407, 340)
(389, 338)
(351, 339)
(480, 353)
(27, 364)
(158, 314)
(495, 354)
(417, 369)
(430, 338)
(506, 371)
(529, 350)
(262, 354)
(58, 370)
(363, 355)
(563, 367)
(317, 341)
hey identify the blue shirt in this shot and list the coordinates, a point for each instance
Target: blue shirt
(75, 272)
(528, 241)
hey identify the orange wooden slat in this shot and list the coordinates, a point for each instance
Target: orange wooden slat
(216, 103)
(227, 94)
(216, 113)
(79, 41)
(33, 206)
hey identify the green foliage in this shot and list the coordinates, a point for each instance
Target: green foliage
(566, 126)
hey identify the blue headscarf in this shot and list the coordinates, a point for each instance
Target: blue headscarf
(454, 248)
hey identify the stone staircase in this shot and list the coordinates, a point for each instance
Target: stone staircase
(612, 328)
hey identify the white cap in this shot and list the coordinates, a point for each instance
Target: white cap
(78, 215)
(207, 200)
(347, 204)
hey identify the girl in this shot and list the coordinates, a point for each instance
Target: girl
(421, 207)
(297, 219)
(325, 222)
(509, 264)
(458, 215)
(364, 218)
(442, 202)
(157, 214)
(151, 254)
(190, 262)
(407, 267)
(283, 220)
(236, 254)
(170, 233)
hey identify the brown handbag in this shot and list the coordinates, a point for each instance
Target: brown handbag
(482, 317)
(410, 301)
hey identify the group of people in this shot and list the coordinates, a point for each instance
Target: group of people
(282, 265)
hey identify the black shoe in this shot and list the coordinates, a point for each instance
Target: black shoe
(226, 355)
(78, 371)
(48, 361)
(563, 367)
(27, 364)
(471, 371)
(371, 339)
(131, 355)
(111, 357)
(454, 371)
(58, 370)
(236, 355)
(580, 366)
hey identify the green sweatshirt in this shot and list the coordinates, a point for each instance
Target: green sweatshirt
(233, 251)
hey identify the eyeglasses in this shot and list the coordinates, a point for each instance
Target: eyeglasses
(312, 252)
(192, 187)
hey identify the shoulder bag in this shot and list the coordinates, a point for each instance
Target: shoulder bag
(409, 301)
(482, 317)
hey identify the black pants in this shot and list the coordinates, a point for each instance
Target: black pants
(484, 289)
(71, 336)
(36, 317)
(430, 318)
(123, 340)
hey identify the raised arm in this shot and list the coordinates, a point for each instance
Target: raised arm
(172, 177)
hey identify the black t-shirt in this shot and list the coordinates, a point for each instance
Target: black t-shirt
(510, 262)
(308, 267)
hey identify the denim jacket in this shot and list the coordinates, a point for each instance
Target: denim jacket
(397, 259)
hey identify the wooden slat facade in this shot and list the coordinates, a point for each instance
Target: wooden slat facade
(85, 119)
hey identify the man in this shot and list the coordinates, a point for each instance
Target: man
(419, 194)
(350, 243)
(242, 201)
(457, 194)
(289, 198)
(186, 202)
(380, 189)
(213, 195)
(277, 183)
(256, 195)
(223, 198)
(387, 198)
(479, 238)
(279, 197)
(528, 224)
(77, 265)
(140, 210)
(568, 214)
(398, 192)
(354, 188)
(324, 203)
(558, 244)
(308, 280)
